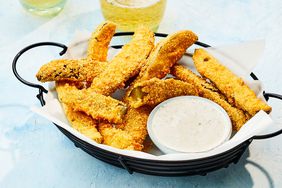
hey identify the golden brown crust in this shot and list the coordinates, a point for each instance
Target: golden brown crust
(100, 40)
(125, 64)
(164, 55)
(233, 87)
(208, 91)
(79, 120)
(154, 91)
(98, 106)
(129, 135)
(135, 122)
(70, 70)
(83, 123)
(118, 138)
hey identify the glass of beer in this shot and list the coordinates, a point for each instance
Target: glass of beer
(43, 7)
(129, 14)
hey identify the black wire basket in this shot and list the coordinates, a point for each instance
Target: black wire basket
(200, 166)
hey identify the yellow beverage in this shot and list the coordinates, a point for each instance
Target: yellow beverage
(129, 14)
(43, 7)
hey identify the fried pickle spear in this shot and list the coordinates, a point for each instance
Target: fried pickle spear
(70, 70)
(100, 40)
(166, 53)
(208, 91)
(129, 135)
(118, 138)
(135, 122)
(233, 87)
(125, 64)
(83, 124)
(154, 91)
(98, 106)
(79, 120)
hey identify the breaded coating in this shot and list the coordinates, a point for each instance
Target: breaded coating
(154, 91)
(83, 123)
(100, 40)
(129, 135)
(135, 122)
(233, 87)
(70, 70)
(166, 53)
(79, 120)
(63, 89)
(125, 64)
(208, 91)
(98, 106)
(118, 138)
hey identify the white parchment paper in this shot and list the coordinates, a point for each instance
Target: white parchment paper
(240, 58)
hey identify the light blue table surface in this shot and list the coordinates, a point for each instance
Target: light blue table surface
(34, 153)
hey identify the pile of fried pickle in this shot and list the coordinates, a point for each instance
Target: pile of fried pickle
(84, 86)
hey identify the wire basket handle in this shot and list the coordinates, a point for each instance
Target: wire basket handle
(40, 87)
(259, 137)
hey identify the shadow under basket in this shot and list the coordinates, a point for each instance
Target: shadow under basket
(200, 166)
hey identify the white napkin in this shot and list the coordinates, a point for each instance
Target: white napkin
(240, 58)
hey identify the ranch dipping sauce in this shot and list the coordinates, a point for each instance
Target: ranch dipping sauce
(188, 124)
